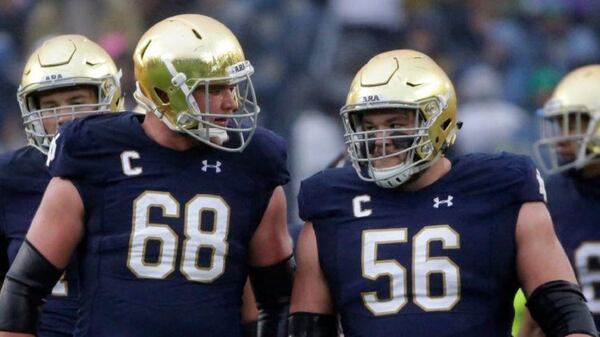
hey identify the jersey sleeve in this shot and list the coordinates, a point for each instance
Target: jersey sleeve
(3, 259)
(3, 240)
(2, 213)
(281, 175)
(321, 196)
(530, 185)
(5, 176)
(271, 158)
(71, 154)
(304, 206)
(307, 199)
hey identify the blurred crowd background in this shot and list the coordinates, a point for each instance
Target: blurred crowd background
(504, 57)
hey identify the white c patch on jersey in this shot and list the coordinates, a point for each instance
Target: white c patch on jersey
(128, 169)
(357, 206)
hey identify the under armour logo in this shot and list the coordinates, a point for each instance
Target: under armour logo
(216, 166)
(437, 202)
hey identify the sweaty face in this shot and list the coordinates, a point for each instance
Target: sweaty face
(386, 130)
(220, 99)
(63, 104)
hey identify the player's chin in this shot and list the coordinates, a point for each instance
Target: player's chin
(387, 162)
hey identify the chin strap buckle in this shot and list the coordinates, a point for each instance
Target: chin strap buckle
(178, 80)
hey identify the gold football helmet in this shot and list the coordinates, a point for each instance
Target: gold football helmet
(185, 52)
(66, 61)
(392, 81)
(570, 132)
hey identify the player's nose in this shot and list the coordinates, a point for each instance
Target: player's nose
(229, 101)
(64, 115)
(382, 138)
(64, 118)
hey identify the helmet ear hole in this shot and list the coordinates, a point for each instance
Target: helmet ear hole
(163, 96)
(446, 124)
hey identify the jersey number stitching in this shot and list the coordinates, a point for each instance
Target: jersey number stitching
(588, 273)
(195, 237)
(423, 266)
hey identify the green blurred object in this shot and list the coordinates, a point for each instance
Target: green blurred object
(543, 79)
(519, 304)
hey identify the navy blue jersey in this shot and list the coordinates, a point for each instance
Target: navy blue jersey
(436, 262)
(167, 232)
(574, 204)
(23, 179)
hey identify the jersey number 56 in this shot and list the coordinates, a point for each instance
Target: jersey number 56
(423, 266)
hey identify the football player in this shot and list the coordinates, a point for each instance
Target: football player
(569, 151)
(409, 243)
(171, 214)
(67, 77)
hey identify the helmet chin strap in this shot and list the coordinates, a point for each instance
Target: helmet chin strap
(392, 177)
(145, 102)
(215, 135)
